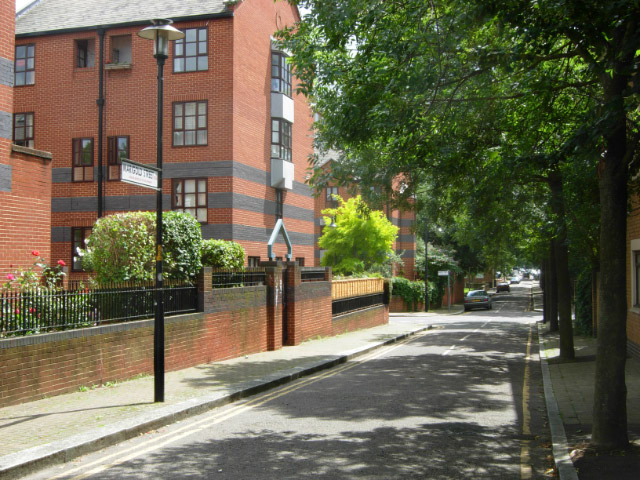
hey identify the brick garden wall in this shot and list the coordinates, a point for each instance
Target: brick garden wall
(233, 322)
(367, 318)
(52, 364)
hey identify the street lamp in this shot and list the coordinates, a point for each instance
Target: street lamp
(161, 32)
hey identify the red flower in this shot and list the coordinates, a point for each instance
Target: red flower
(32, 310)
(17, 311)
(35, 253)
(61, 263)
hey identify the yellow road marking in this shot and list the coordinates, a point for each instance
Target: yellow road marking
(219, 417)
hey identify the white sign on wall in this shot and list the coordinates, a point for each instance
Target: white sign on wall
(139, 174)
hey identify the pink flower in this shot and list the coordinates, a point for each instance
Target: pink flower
(32, 310)
(17, 311)
(11, 277)
(35, 253)
(61, 263)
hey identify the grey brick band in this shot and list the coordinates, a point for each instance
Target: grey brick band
(5, 177)
(6, 72)
(6, 125)
(224, 168)
(148, 202)
(222, 231)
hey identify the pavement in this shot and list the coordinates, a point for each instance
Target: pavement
(53, 430)
(569, 391)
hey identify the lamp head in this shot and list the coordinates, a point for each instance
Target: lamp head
(161, 32)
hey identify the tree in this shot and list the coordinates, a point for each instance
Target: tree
(427, 87)
(360, 239)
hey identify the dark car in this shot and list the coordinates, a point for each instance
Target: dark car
(477, 299)
(503, 287)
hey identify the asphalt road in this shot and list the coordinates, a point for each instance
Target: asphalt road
(463, 400)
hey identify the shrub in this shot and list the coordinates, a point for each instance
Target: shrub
(182, 239)
(222, 254)
(122, 247)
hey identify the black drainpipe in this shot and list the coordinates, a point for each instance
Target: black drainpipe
(100, 102)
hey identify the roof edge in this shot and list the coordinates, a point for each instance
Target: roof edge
(225, 14)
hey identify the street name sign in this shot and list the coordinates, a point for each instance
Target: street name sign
(443, 273)
(139, 174)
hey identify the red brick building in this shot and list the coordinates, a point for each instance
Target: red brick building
(405, 244)
(236, 135)
(633, 279)
(25, 174)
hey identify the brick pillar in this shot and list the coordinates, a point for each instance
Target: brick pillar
(294, 308)
(328, 274)
(204, 281)
(275, 285)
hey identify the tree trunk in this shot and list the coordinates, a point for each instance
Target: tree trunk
(552, 286)
(610, 398)
(563, 280)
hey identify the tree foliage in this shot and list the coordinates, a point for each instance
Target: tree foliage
(487, 97)
(360, 239)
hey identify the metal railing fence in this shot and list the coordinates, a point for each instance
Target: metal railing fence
(344, 305)
(312, 274)
(251, 276)
(43, 310)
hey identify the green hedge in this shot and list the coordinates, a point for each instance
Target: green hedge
(122, 247)
(413, 292)
(222, 254)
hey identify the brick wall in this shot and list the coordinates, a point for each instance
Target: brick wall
(234, 322)
(56, 363)
(308, 308)
(25, 213)
(367, 318)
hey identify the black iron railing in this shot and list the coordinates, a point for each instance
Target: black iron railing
(223, 278)
(345, 305)
(312, 274)
(44, 310)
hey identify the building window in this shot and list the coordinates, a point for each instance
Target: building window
(121, 49)
(190, 53)
(189, 123)
(117, 149)
(300, 261)
(25, 65)
(190, 196)
(253, 261)
(83, 159)
(23, 129)
(330, 201)
(280, 139)
(79, 235)
(85, 53)
(280, 74)
(279, 203)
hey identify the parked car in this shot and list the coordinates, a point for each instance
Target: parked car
(477, 299)
(503, 287)
(514, 280)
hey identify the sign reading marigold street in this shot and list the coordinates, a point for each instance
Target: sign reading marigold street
(139, 174)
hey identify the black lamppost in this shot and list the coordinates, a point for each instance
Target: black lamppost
(161, 33)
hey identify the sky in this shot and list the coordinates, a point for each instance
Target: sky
(20, 4)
